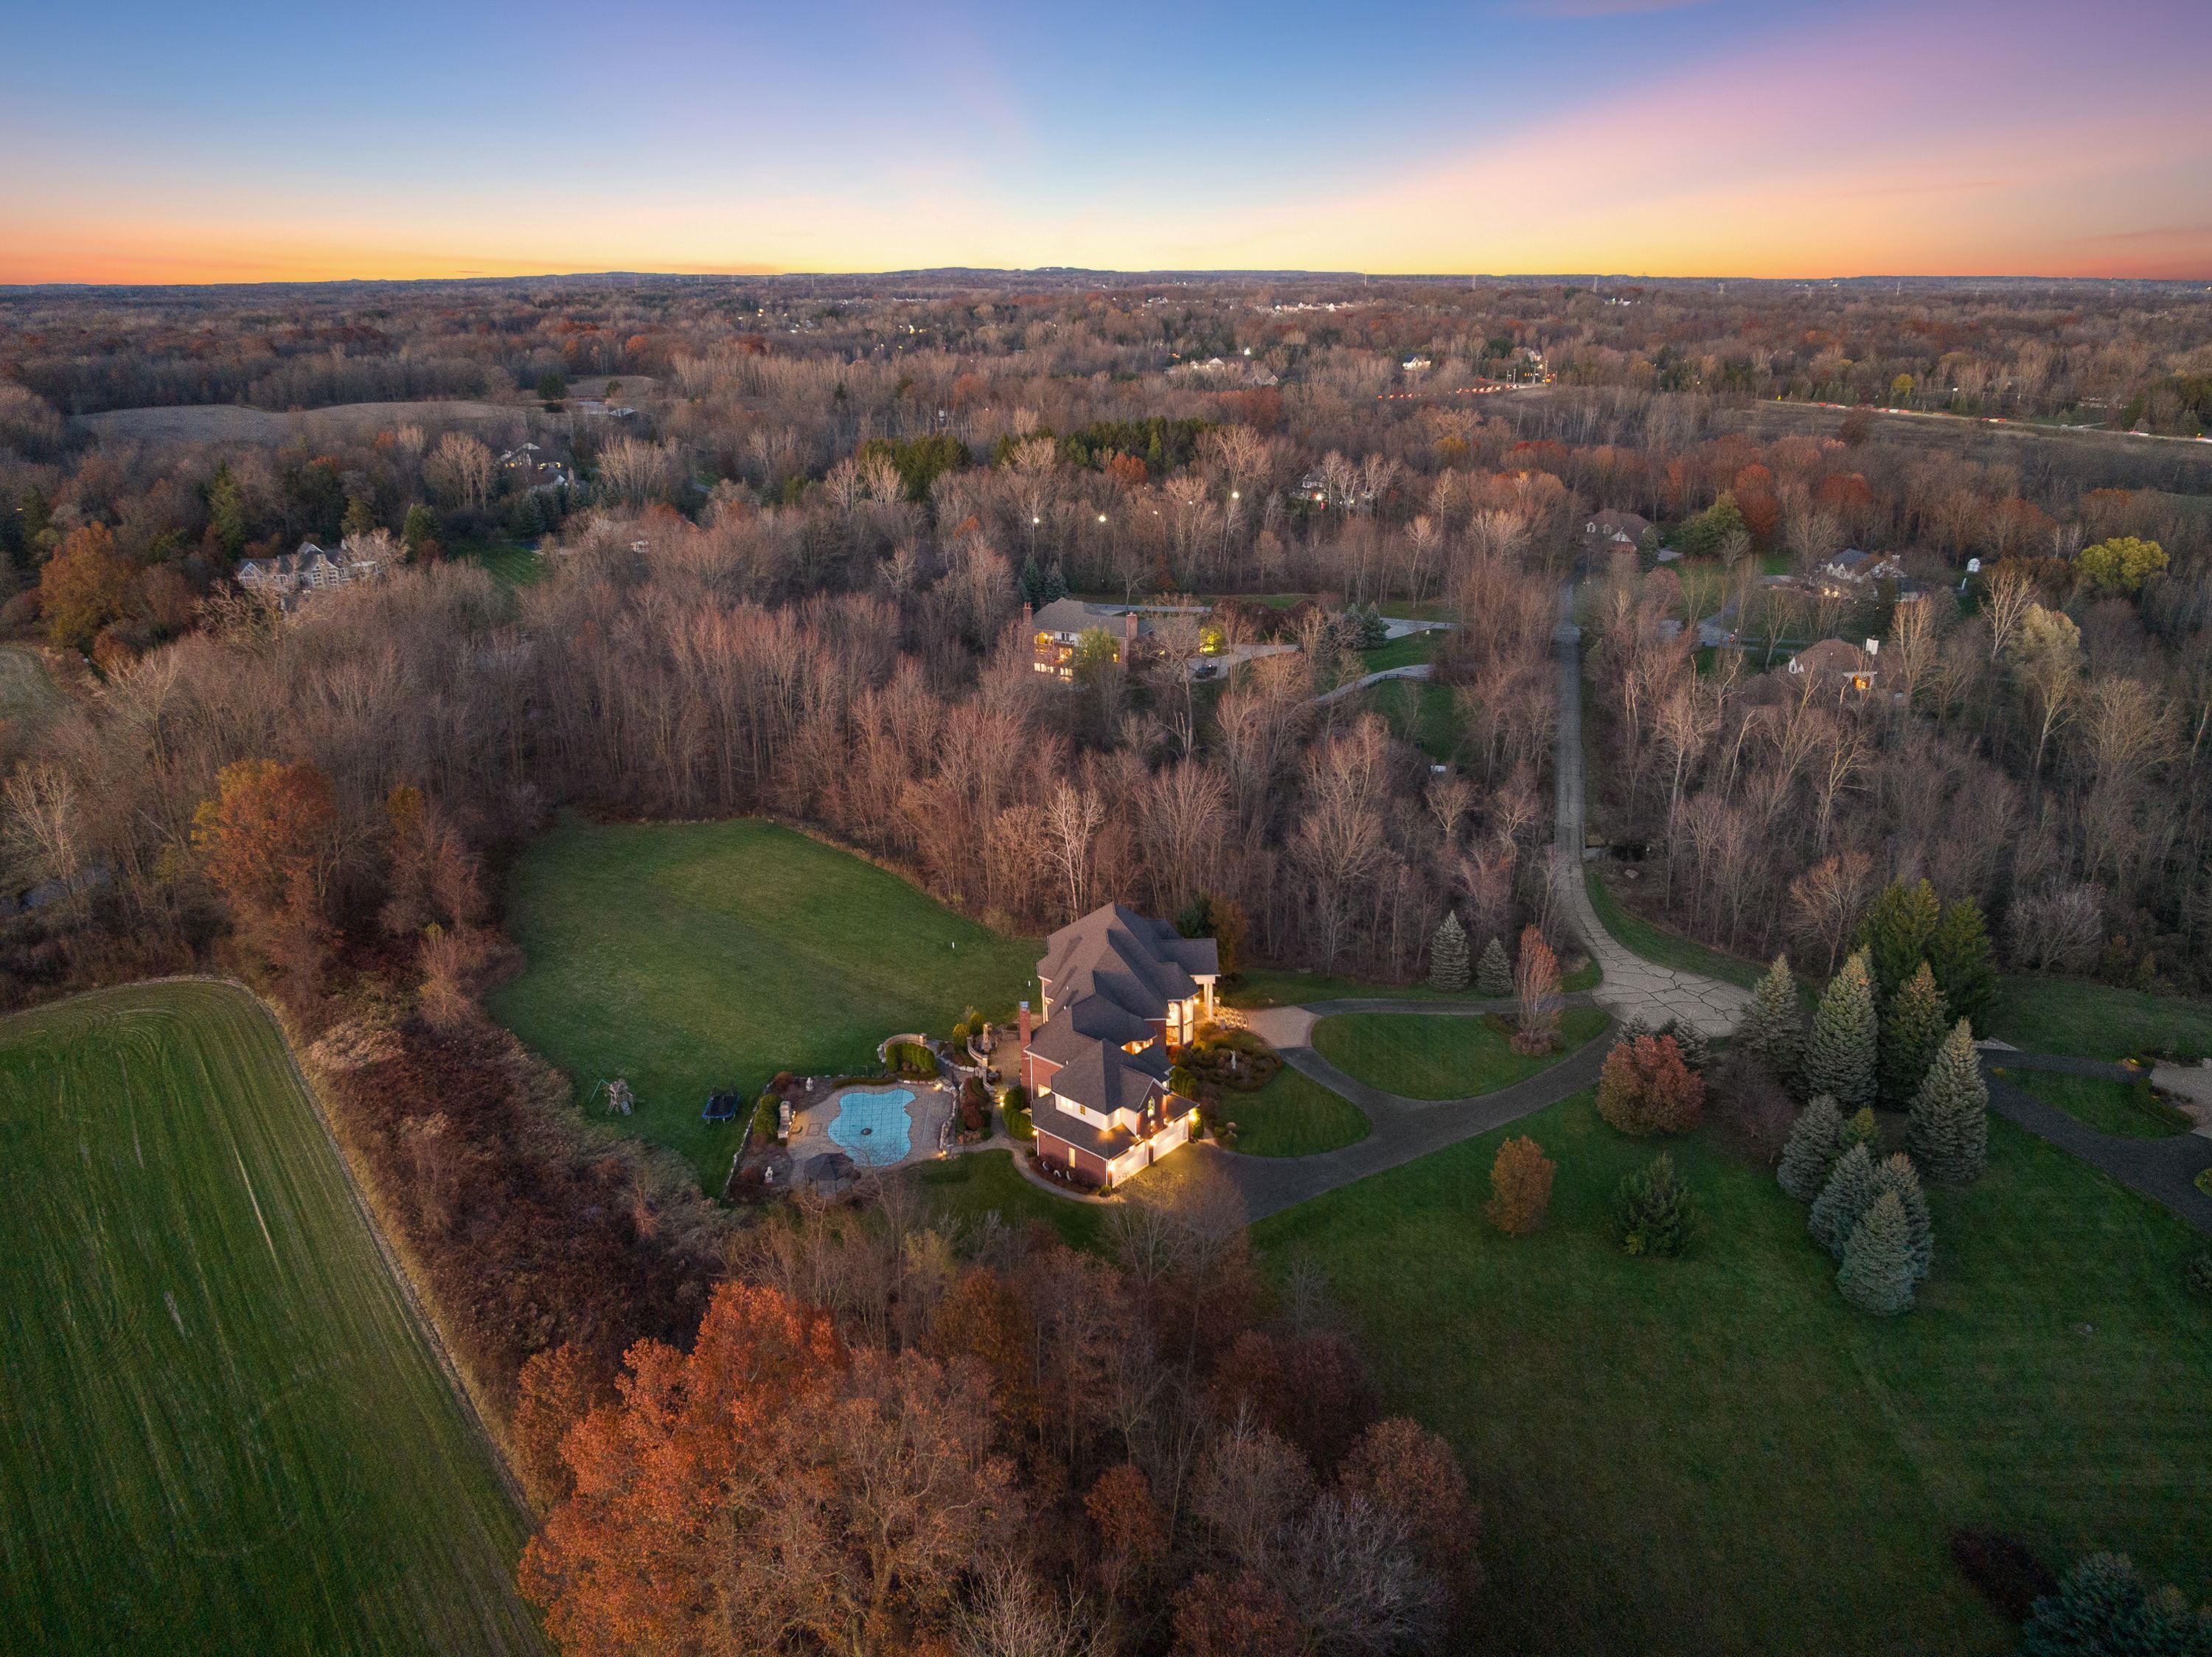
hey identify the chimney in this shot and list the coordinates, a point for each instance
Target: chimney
(1029, 614)
(1128, 635)
(1022, 1018)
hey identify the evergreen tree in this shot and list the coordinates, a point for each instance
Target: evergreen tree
(1910, 1032)
(1055, 583)
(2103, 1608)
(1864, 1130)
(1815, 1142)
(1696, 1052)
(1849, 1193)
(1774, 1027)
(1032, 583)
(1493, 975)
(1840, 1054)
(1896, 931)
(227, 510)
(1447, 955)
(1948, 1131)
(418, 529)
(1631, 1030)
(1654, 1212)
(1896, 1174)
(1877, 1271)
(1960, 953)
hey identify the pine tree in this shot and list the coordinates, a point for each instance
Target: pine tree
(1948, 1131)
(1849, 1193)
(1055, 583)
(1864, 1130)
(1896, 931)
(1877, 1269)
(1839, 1055)
(1960, 953)
(2103, 1608)
(1815, 1142)
(1774, 1027)
(1911, 1033)
(1493, 975)
(1448, 954)
(1653, 1211)
(1032, 581)
(1895, 1173)
(1697, 1052)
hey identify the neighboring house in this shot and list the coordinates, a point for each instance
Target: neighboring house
(1316, 489)
(1121, 993)
(530, 467)
(311, 568)
(1614, 532)
(1836, 666)
(1054, 630)
(1417, 365)
(1851, 571)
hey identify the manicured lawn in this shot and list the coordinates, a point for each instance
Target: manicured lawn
(2129, 1109)
(1283, 986)
(510, 565)
(2096, 1020)
(1293, 1116)
(968, 1187)
(1441, 1055)
(1421, 711)
(691, 957)
(1656, 944)
(1404, 652)
(1717, 1455)
(225, 1430)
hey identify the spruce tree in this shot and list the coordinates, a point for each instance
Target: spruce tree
(1896, 931)
(1031, 581)
(1816, 1141)
(1696, 1052)
(1774, 1027)
(1654, 1213)
(1493, 975)
(1895, 1173)
(1877, 1271)
(1839, 1058)
(1862, 1130)
(1960, 953)
(1948, 1131)
(1055, 583)
(1448, 954)
(1849, 1193)
(1910, 1032)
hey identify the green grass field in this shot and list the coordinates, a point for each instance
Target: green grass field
(1403, 652)
(1293, 1116)
(1421, 711)
(2128, 1109)
(225, 1431)
(1430, 1056)
(1655, 943)
(510, 565)
(1717, 1455)
(968, 1187)
(690, 957)
(2096, 1020)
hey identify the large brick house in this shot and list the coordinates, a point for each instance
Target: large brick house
(1121, 993)
(1056, 629)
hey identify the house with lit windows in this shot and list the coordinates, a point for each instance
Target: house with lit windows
(1122, 994)
(1055, 631)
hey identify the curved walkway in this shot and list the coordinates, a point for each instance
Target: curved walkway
(1411, 670)
(2164, 1170)
(1632, 987)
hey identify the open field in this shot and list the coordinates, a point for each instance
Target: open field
(226, 1431)
(2129, 1110)
(2096, 1020)
(510, 565)
(1431, 1056)
(27, 690)
(229, 422)
(1293, 1116)
(691, 957)
(1717, 1455)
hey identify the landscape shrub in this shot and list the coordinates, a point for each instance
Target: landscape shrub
(1493, 974)
(1015, 1102)
(2103, 1608)
(1815, 1142)
(912, 1060)
(1850, 1191)
(768, 1116)
(1654, 1213)
(1520, 1187)
(974, 1106)
(2003, 1570)
(1644, 1088)
(1877, 1271)
(1236, 1059)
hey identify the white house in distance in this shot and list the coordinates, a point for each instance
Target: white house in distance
(311, 568)
(1121, 993)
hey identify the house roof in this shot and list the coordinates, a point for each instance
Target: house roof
(1832, 655)
(1138, 964)
(1092, 1020)
(1610, 522)
(1074, 616)
(1104, 1079)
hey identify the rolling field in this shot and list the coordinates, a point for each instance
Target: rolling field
(688, 957)
(225, 1430)
(1717, 1454)
(231, 423)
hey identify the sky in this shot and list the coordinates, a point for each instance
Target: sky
(150, 142)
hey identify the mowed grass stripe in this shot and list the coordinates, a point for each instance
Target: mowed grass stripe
(224, 1429)
(690, 957)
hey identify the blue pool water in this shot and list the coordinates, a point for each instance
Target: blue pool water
(871, 1128)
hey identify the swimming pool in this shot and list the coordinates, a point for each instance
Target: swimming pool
(871, 1127)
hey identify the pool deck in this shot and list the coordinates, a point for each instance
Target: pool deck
(926, 1114)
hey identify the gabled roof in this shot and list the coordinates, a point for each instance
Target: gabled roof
(1832, 655)
(1138, 964)
(1104, 1079)
(1092, 1020)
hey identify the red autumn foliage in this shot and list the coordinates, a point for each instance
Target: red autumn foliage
(1400, 1464)
(1645, 1089)
(1237, 1616)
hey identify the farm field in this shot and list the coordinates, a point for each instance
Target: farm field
(693, 956)
(231, 423)
(228, 1432)
(1717, 1454)
(1434, 1056)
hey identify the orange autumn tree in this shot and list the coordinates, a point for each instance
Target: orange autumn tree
(768, 1488)
(1536, 980)
(1520, 1187)
(1646, 1087)
(269, 842)
(84, 586)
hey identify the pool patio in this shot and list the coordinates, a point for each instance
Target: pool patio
(926, 1113)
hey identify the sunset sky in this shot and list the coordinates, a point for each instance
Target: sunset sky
(158, 143)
